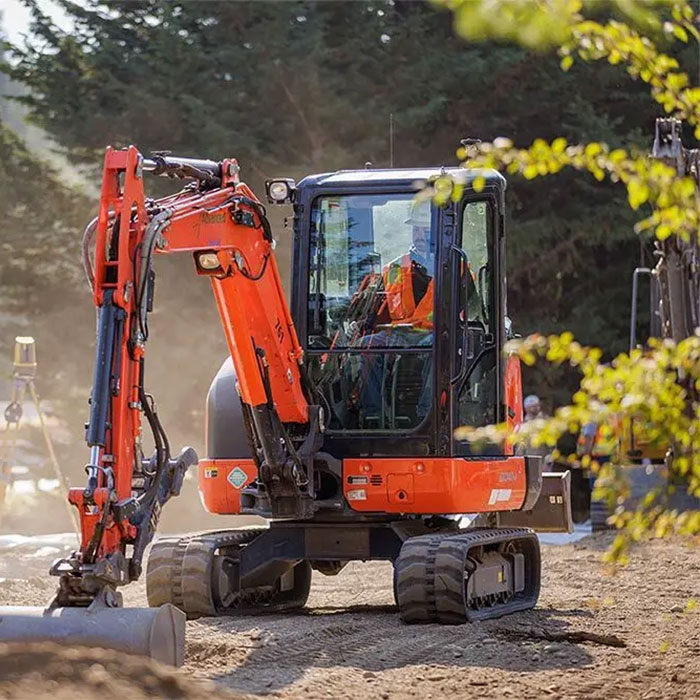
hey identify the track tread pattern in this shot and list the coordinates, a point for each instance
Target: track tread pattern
(431, 573)
(159, 574)
(180, 572)
(415, 578)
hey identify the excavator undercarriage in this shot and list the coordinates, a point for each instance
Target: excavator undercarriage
(450, 575)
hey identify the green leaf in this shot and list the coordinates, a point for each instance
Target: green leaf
(559, 145)
(680, 33)
(637, 193)
(663, 232)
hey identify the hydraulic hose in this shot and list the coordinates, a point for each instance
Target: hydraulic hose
(88, 234)
(150, 239)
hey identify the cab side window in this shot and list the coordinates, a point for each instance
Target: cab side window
(475, 243)
(477, 395)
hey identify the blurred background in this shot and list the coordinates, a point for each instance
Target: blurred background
(289, 88)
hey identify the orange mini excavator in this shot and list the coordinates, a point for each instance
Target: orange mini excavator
(333, 417)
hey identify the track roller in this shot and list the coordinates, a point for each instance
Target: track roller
(475, 575)
(199, 574)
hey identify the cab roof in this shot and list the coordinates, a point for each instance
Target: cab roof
(410, 178)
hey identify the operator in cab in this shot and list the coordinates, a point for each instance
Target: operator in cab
(409, 279)
(405, 315)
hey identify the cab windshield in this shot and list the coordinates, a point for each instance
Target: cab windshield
(370, 310)
(371, 272)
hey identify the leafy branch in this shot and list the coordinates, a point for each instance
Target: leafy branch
(658, 388)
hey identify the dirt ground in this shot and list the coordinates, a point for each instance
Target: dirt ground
(592, 635)
(43, 670)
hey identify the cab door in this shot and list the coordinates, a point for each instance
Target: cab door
(476, 318)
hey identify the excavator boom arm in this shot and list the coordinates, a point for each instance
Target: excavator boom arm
(220, 221)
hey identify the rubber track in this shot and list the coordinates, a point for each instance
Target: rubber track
(159, 572)
(430, 577)
(414, 573)
(179, 571)
(163, 582)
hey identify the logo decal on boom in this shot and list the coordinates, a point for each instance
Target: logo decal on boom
(218, 218)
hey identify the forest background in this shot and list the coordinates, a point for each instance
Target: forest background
(291, 88)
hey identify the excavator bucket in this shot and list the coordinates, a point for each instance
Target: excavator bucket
(155, 632)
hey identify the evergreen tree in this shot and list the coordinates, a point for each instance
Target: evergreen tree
(296, 87)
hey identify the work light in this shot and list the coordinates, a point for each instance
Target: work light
(279, 191)
(208, 261)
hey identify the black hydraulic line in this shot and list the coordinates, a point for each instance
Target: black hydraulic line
(259, 209)
(104, 355)
(160, 439)
(255, 278)
(268, 436)
(208, 172)
(96, 539)
(268, 419)
(253, 443)
(115, 375)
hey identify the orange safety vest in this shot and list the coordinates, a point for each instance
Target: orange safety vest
(400, 303)
(605, 443)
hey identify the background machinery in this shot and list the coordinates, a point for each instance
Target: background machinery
(674, 284)
(333, 418)
(674, 313)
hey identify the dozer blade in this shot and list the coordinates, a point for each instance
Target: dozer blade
(155, 632)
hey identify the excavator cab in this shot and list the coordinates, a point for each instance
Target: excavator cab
(400, 309)
(399, 306)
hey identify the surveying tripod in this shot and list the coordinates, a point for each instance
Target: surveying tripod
(23, 375)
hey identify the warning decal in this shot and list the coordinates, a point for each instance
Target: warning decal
(237, 477)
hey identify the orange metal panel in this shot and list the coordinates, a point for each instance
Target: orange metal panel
(425, 486)
(513, 391)
(514, 397)
(252, 306)
(400, 488)
(221, 481)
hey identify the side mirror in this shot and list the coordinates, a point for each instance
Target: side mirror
(510, 333)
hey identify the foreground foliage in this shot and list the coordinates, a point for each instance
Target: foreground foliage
(658, 388)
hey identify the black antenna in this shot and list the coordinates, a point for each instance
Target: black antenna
(391, 139)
